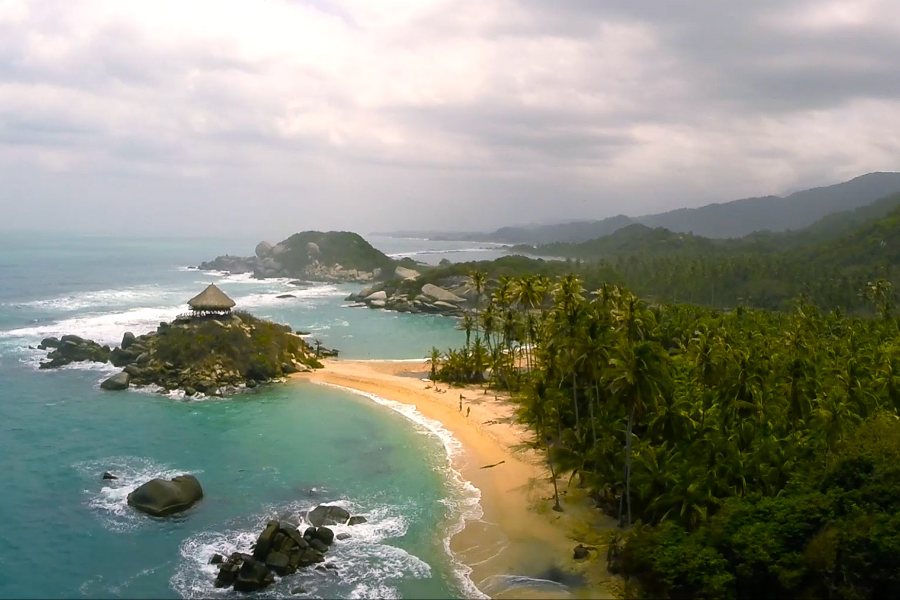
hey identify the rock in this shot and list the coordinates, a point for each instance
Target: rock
(50, 342)
(133, 370)
(298, 590)
(189, 391)
(343, 536)
(217, 559)
(143, 358)
(377, 303)
(127, 340)
(278, 562)
(357, 520)
(581, 552)
(310, 533)
(325, 534)
(282, 296)
(317, 544)
(312, 249)
(214, 391)
(251, 383)
(74, 339)
(253, 576)
(328, 515)
(288, 368)
(263, 249)
(108, 475)
(404, 273)
(228, 573)
(377, 296)
(264, 541)
(161, 498)
(438, 293)
(445, 306)
(120, 358)
(117, 382)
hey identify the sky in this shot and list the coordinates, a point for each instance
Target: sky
(266, 117)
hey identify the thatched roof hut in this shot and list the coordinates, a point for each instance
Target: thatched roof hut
(212, 299)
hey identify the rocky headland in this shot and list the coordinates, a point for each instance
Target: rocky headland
(204, 355)
(334, 256)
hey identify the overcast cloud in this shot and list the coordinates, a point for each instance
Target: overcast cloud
(273, 116)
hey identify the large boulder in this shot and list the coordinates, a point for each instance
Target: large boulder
(117, 382)
(127, 340)
(404, 273)
(263, 249)
(375, 296)
(438, 293)
(328, 515)
(162, 498)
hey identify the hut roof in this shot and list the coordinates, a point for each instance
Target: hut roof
(212, 298)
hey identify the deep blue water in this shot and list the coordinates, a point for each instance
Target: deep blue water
(271, 452)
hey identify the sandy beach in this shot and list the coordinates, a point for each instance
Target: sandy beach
(519, 537)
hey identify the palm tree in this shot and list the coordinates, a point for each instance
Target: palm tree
(434, 361)
(537, 404)
(637, 373)
(478, 279)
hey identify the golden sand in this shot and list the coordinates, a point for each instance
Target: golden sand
(519, 534)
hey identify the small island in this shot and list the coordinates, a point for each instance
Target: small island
(211, 349)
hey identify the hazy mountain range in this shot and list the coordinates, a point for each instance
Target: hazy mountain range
(733, 219)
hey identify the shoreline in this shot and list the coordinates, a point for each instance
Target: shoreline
(519, 547)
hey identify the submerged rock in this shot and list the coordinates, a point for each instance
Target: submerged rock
(162, 498)
(356, 520)
(108, 475)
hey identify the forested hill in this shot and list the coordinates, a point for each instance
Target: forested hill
(723, 220)
(641, 240)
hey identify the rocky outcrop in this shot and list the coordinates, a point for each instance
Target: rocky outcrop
(162, 498)
(311, 255)
(203, 356)
(404, 273)
(430, 298)
(279, 550)
(72, 348)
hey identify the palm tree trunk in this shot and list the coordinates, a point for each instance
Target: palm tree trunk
(591, 407)
(556, 506)
(575, 402)
(628, 462)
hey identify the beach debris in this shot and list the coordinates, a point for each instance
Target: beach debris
(493, 465)
(161, 498)
(108, 475)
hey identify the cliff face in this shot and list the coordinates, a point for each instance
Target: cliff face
(311, 255)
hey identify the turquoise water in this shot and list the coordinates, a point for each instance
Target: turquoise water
(269, 453)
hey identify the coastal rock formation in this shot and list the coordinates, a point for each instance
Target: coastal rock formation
(280, 549)
(328, 515)
(452, 298)
(162, 498)
(311, 255)
(72, 348)
(203, 355)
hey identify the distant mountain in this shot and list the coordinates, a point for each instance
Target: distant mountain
(640, 239)
(726, 220)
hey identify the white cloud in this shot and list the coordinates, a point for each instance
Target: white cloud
(377, 114)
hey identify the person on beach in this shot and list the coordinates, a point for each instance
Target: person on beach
(460, 403)
(468, 410)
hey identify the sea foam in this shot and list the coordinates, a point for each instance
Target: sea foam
(466, 506)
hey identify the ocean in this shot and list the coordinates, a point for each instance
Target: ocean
(272, 452)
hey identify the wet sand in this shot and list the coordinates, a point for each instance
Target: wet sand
(519, 538)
